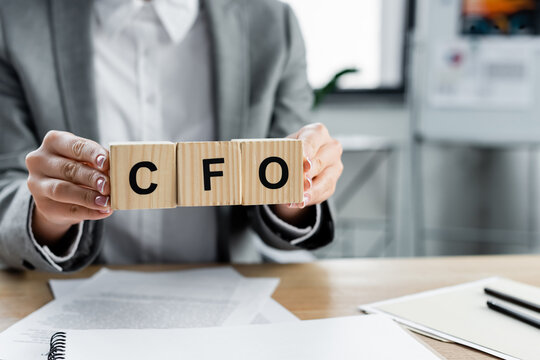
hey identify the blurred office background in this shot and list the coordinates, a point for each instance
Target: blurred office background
(440, 124)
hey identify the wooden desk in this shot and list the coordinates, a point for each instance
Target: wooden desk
(317, 290)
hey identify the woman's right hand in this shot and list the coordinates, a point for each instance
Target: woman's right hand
(67, 176)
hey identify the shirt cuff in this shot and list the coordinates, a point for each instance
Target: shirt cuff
(295, 234)
(54, 259)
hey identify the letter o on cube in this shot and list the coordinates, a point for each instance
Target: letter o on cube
(272, 171)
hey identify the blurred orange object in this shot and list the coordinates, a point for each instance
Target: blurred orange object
(495, 8)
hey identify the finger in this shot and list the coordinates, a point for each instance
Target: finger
(324, 185)
(308, 183)
(313, 137)
(77, 148)
(77, 173)
(328, 155)
(66, 192)
(69, 213)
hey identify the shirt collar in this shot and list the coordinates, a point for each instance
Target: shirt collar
(176, 16)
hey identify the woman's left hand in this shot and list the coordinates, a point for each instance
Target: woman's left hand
(322, 168)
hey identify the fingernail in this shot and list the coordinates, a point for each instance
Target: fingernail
(100, 161)
(101, 184)
(308, 166)
(291, 205)
(106, 211)
(102, 200)
(310, 184)
(307, 199)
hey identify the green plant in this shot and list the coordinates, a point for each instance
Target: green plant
(331, 86)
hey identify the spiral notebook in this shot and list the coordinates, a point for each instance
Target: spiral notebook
(347, 338)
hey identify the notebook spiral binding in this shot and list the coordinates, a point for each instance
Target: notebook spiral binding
(57, 349)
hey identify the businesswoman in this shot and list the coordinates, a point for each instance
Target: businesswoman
(78, 74)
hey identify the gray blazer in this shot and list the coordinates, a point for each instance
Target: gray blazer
(46, 82)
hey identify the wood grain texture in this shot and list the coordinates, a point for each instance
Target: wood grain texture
(317, 290)
(254, 154)
(122, 159)
(224, 189)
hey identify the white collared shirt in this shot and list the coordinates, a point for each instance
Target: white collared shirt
(154, 82)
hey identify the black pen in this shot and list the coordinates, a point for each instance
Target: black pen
(518, 315)
(512, 299)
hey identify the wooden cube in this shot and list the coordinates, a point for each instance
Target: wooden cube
(143, 175)
(272, 171)
(209, 173)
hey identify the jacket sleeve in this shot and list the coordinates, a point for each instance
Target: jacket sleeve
(18, 136)
(292, 107)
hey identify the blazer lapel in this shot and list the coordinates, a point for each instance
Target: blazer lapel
(228, 32)
(71, 21)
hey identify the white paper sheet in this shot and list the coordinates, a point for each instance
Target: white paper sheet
(459, 314)
(133, 300)
(348, 338)
(272, 311)
(64, 287)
